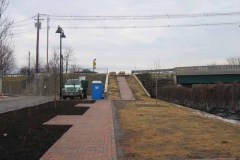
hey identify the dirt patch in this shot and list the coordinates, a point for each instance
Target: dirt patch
(24, 137)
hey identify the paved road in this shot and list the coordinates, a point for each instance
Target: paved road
(14, 103)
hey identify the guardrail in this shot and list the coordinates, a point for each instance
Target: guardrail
(106, 86)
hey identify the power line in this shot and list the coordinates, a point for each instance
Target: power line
(23, 30)
(20, 33)
(24, 20)
(17, 33)
(19, 24)
(124, 17)
(156, 26)
(22, 25)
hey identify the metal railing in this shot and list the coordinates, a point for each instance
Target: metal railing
(216, 69)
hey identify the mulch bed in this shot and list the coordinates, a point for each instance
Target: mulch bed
(23, 135)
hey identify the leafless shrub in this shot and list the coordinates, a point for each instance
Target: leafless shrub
(233, 61)
(7, 59)
(204, 97)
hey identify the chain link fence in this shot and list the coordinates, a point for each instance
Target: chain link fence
(45, 84)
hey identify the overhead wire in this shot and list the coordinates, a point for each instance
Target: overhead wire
(19, 27)
(18, 34)
(25, 20)
(143, 17)
(23, 30)
(148, 16)
(154, 26)
(22, 24)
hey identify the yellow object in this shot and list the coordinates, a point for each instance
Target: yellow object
(94, 63)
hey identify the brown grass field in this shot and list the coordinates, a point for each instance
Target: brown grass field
(113, 90)
(168, 132)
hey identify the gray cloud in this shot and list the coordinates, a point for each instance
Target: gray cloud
(126, 49)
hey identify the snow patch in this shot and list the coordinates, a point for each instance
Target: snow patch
(211, 116)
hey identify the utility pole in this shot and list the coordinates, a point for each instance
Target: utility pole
(29, 69)
(156, 81)
(48, 28)
(38, 26)
(157, 72)
(37, 46)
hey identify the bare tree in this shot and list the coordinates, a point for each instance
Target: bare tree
(75, 68)
(41, 65)
(54, 71)
(26, 71)
(7, 60)
(66, 54)
(233, 61)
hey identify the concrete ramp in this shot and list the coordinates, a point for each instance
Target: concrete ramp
(125, 91)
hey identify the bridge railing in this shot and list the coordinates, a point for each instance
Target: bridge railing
(153, 71)
(217, 69)
(195, 70)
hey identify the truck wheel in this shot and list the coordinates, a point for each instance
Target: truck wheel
(64, 97)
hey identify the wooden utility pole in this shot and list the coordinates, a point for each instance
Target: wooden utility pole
(37, 46)
(157, 72)
(48, 28)
(29, 67)
(38, 26)
(156, 67)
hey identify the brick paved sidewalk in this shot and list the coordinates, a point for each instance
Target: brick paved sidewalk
(90, 138)
(125, 91)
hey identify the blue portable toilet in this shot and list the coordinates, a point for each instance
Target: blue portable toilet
(97, 89)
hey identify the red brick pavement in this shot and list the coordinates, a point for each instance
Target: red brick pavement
(125, 91)
(217, 159)
(90, 138)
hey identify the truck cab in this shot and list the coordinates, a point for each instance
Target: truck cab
(72, 88)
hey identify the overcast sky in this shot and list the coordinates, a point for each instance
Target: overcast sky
(128, 49)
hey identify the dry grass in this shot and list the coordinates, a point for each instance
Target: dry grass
(169, 132)
(113, 90)
(138, 92)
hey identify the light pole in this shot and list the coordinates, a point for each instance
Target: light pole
(62, 35)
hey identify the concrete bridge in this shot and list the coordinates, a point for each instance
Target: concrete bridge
(201, 74)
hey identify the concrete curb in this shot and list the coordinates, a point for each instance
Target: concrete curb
(106, 86)
(141, 85)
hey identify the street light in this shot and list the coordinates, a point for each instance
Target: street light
(62, 35)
